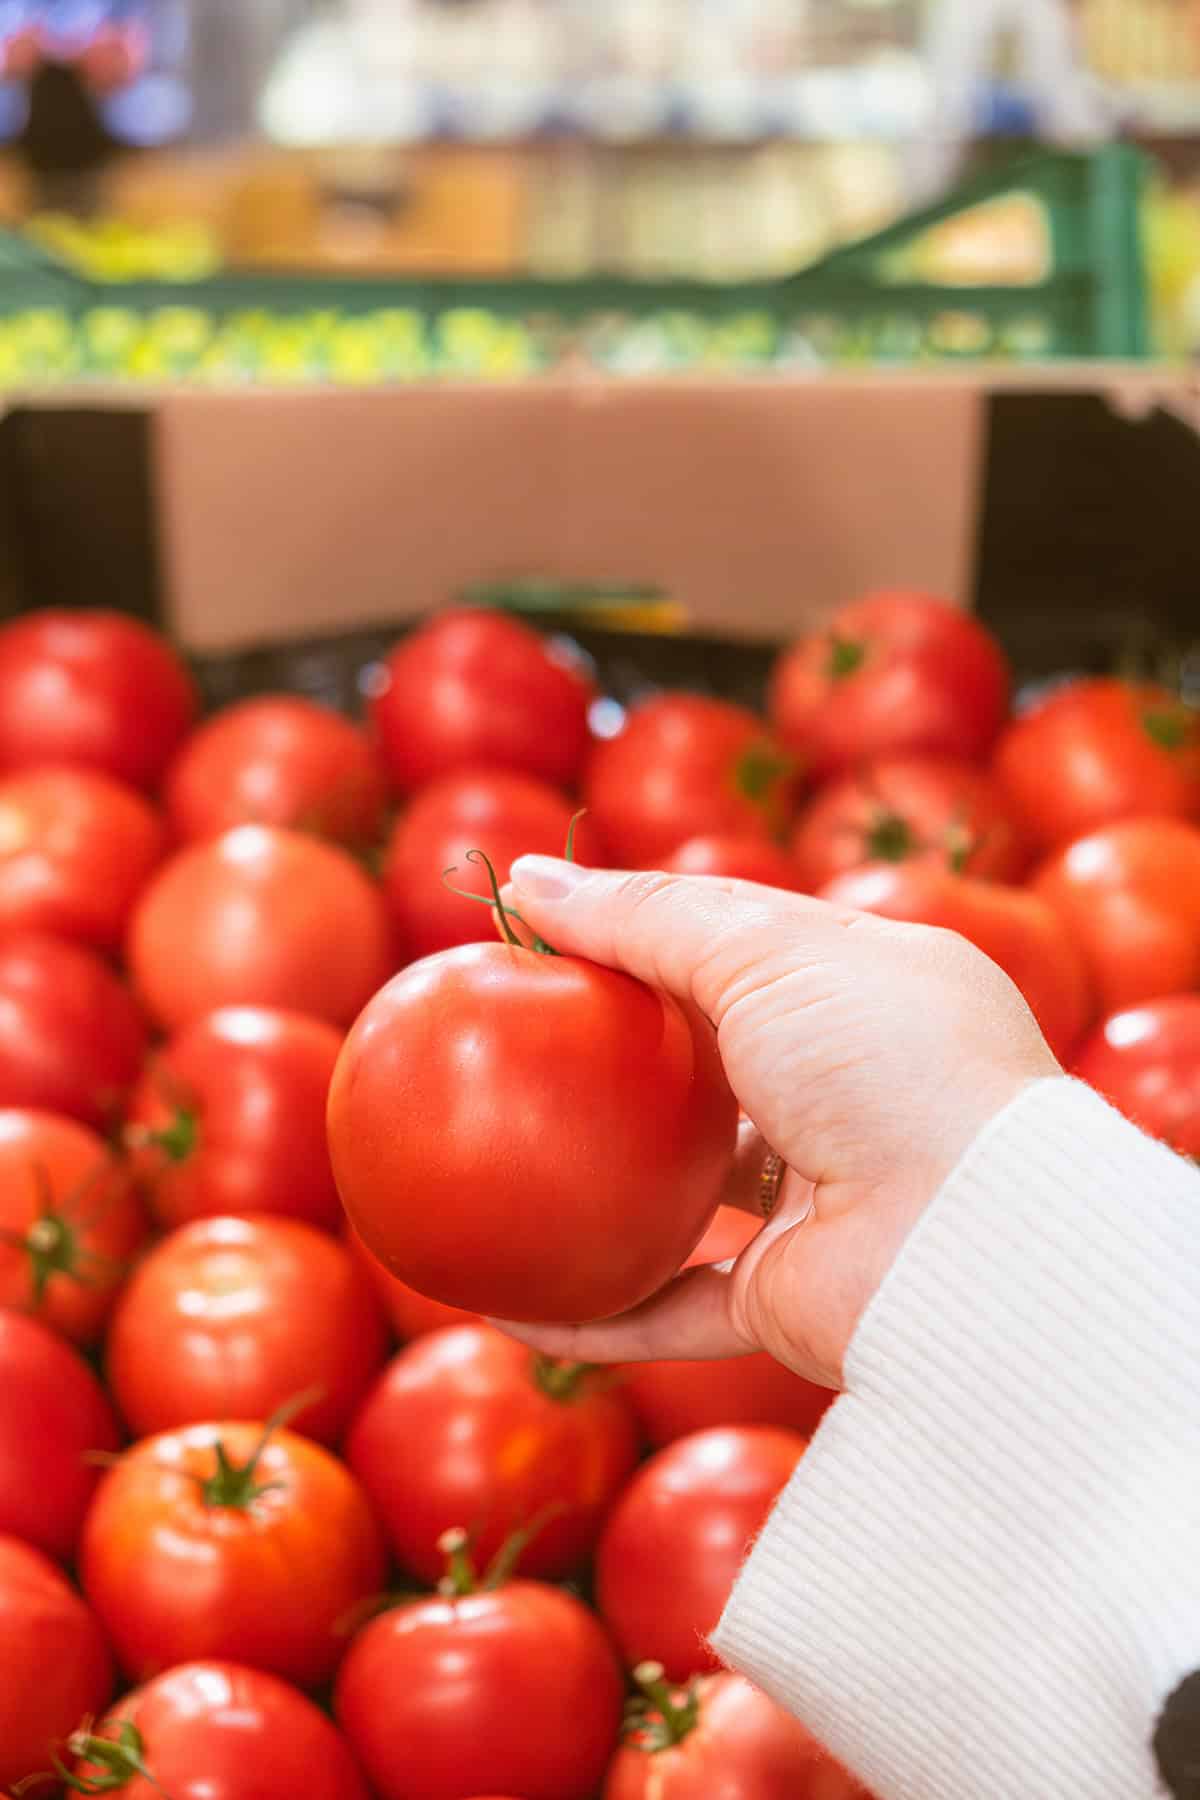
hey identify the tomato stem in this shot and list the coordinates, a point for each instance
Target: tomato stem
(234, 1485)
(890, 838)
(572, 828)
(177, 1141)
(1170, 730)
(507, 914)
(846, 656)
(661, 1716)
(118, 1759)
(459, 1578)
(557, 1379)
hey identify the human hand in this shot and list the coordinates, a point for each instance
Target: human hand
(867, 1053)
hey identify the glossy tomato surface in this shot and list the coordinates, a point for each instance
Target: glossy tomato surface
(229, 1119)
(278, 760)
(514, 1690)
(737, 859)
(1146, 1060)
(76, 850)
(55, 1669)
(679, 1534)
(483, 1086)
(410, 1314)
(893, 672)
(1095, 752)
(97, 690)
(685, 766)
(55, 1421)
(467, 1427)
(259, 917)
(673, 1399)
(1129, 895)
(905, 807)
(1020, 931)
(220, 1731)
(71, 1222)
(480, 689)
(502, 814)
(233, 1318)
(72, 1038)
(177, 1572)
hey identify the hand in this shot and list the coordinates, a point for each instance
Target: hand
(868, 1054)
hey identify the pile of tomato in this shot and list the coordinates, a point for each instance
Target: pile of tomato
(273, 1522)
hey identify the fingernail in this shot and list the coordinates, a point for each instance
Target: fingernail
(546, 877)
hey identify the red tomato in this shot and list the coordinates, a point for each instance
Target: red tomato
(910, 806)
(508, 1439)
(93, 689)
(71, 1038)
(527, 1666)
(231, 1318)
(677, 1537)
(738, 859)
(504, 816)
(483, 1085)
(54, 1417)
(892, 673)
(1147, 1062)
(216, 1731)
(673, 1399)
(479, 688)
(721, 1737)
(229, 1120)
(70, 1222)
(410, 1313)
(54, 1664)
(1018, 930)
(1095, 752)
(260, 917)
(684, 766)
(76, 850)
(1129, 895)
(278, 760)
(230, 1541)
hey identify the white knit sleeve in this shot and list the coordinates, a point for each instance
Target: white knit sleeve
(984, 1579)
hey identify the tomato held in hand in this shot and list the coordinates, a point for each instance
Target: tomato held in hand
(70, 1222)
(905, 807)
(278, 760)
(737, 859)
(230, 1541)
(468, 1426)
(229, 1120)
(501, 814)
(217, 1731)
(673, 1399)
(673, 1545)
(1098, 751)
(1018, 930)
(1129, 895)
(892, 673)
(1147, 1062)
(480, 689)
(719, 1736)
(260, 917)
(529, 1136)
(55, 1669)
(411, 1314)
(685, 766)
(512, 1688)
(231, 1318)
(76, 850)
(96, 690)
(55, 1420)
(71, 1037)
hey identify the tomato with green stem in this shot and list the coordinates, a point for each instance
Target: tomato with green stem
(71, 1222)
(505, 1436)
(243, 1542)
(72, 1039)
(55, 1667)
(502, 1684)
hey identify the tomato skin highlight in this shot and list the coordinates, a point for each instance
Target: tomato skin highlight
(218, 1731)
(479, 689)
(518, 1689)
(237, 1316)
(677, 1537)
(71, 1037)
(55, 1669)
(270, 1584)
(1146, 1061)
(252, 1083)
(737, 859)
(484, 1088)
(55, 1418)
(460, 1428)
